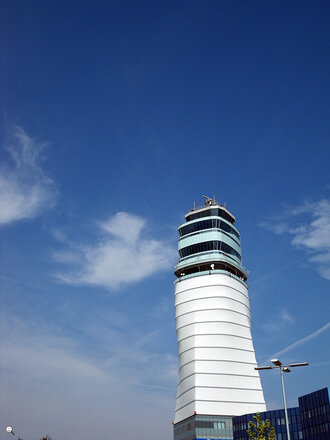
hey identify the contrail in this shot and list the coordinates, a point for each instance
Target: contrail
(304, 340)
(24, 283)
(275, 271)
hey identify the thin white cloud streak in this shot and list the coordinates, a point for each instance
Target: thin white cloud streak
(320, 364)
(286, 317)
(16, 281)
(34, 350)
(303, 340)
(311, 231)
(278, 322)
(49, 382)
(122, 257)
(273, 272)
(25, 190)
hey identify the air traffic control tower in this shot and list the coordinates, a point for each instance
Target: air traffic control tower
(216, 379)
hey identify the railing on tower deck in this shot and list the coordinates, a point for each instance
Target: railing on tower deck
(193, 211)
(209, 272)
(217, 205)
(196, 208)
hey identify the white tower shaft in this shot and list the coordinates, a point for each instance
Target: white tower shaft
(216, 354)
(213, 321)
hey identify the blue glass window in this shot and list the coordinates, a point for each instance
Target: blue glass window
(208, 246)
(207, 224)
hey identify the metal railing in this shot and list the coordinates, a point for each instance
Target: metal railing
(209, 272)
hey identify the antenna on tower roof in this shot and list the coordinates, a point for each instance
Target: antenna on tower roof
(209, 201)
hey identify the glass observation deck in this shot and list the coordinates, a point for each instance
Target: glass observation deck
(208, 240)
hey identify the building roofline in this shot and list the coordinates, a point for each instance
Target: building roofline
(205, 208)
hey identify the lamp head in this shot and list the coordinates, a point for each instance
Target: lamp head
(301, 364)
(286, 370)
(276, 362)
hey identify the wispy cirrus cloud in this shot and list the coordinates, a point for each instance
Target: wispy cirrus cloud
(309, 226)
(25, 190)
(123, 256)
(278, 322)
(54, 385)
(303, 340)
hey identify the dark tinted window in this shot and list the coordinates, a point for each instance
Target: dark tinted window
(207, 224)
(213, 211)
(208, 246)
(204, 424)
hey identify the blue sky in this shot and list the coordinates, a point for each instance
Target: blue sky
(115, 117)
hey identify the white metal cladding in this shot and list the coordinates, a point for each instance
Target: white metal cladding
(216, 354)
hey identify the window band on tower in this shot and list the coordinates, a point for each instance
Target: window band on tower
(213, 245)
(208, 224)
(210, 212)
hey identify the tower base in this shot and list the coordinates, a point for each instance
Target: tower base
(200, 427)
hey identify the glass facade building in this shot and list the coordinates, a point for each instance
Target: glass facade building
(315, 415)
(309, 421)
(277, 420)
(200, 427)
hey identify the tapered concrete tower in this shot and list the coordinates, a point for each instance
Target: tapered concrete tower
(216, 378)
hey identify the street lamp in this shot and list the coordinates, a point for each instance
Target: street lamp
(286, 369)
(10, 430)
